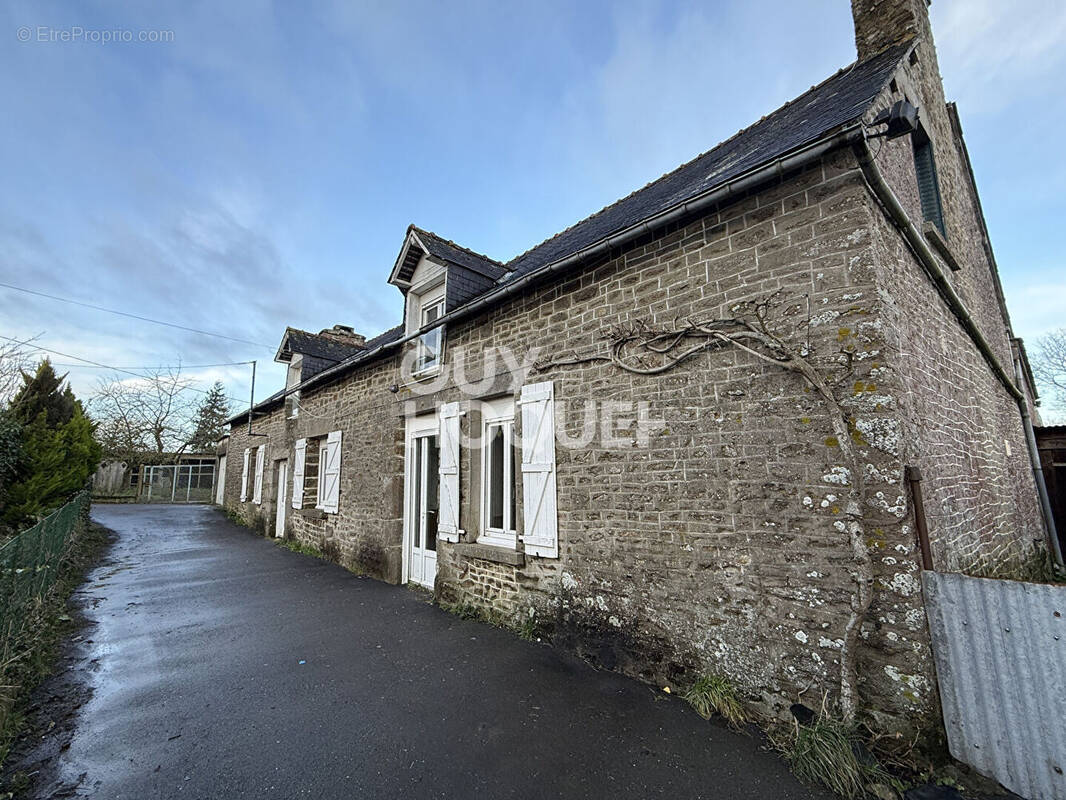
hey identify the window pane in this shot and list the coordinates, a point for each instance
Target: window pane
(430, 349)
(496, 477)
(431, 313)
(513, 525)
(432, 490)
(417, 510)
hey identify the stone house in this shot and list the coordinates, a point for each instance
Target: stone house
(676, 437)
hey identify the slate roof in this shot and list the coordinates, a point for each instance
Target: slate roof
(832, 104)
(447, 250)
(389, 336)
(838, 101)
(312, 344)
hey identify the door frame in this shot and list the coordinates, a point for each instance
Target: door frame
(281, 498)
(416, 428)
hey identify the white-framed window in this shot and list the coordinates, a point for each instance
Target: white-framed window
(329, 473)
(498, 513)
(292, 378)
(430, 343)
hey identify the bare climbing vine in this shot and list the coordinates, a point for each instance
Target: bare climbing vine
(642, 348)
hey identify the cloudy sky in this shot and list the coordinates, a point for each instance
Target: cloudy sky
(260, 169)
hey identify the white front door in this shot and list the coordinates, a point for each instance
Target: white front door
(422, 496)
(283, 499)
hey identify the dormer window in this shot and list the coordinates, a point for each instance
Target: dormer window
(436, 276)
(430, 343)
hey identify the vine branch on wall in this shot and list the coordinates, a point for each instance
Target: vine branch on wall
(641, 348)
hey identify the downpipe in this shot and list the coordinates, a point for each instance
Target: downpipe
(1038, 474)
(914, 238)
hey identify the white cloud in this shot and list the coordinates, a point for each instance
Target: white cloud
(993, 53)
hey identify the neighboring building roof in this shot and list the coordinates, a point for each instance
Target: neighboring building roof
(840, 100)
(312, 344)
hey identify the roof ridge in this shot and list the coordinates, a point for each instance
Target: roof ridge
(795, 100)
(309, 333)
(456, 245)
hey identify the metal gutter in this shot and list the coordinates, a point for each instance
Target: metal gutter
(896, 213)
(797, 159)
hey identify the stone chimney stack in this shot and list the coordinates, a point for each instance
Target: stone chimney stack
(344, 334)
(880, 24)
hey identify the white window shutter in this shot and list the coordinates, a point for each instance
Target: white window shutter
(330, 472)
(298, 474)
(260, 455)
(539, 513)
(244, 475)
(448, 520)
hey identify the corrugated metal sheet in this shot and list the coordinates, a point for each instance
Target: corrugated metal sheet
(1000, 649)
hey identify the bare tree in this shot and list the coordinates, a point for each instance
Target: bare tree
(14, 360)
(642, 348)
(156, 413)
(1049, 368)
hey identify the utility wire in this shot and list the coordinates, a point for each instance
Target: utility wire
(135, 316)
(156, 366)
(27, 343)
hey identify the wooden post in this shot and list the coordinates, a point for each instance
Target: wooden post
(913, 476)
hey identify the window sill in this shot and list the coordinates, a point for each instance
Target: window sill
(426, 374)
(491, 552)
(936, 239)
(311, 513)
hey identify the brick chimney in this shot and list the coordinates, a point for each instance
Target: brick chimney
(880, 24)
(344, 334)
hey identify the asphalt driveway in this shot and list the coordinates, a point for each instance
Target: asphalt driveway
(223, 666)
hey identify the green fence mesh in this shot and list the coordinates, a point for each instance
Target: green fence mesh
(30, 563)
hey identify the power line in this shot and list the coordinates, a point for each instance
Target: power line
(134, 316)
(156, 366)
(27, 343)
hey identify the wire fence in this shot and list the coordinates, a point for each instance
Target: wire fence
(29, 566)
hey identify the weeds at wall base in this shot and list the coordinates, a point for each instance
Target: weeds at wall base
(831, 752)
(525, 628)
(714, 694)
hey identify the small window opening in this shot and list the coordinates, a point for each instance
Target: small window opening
(928, 185)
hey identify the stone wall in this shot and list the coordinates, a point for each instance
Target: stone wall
(960, 425)
(709, 529)
(719, 544)
(269, 430)
(366, 534)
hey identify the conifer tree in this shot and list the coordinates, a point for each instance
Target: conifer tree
(211, 419)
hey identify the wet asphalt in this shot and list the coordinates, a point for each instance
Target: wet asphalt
(228, 667)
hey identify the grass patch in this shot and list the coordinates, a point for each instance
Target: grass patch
(30, 657)
(831, 752)
(303, 548)
(714, 694)
(525, 627)
(236, 518)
